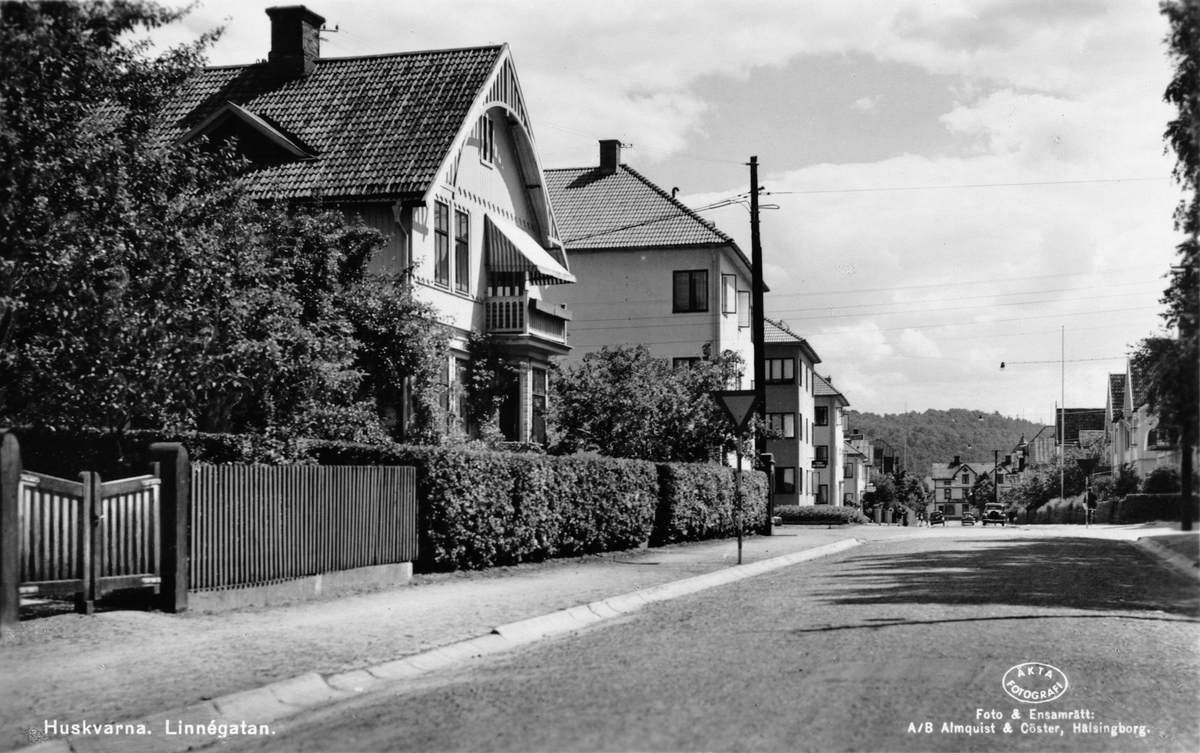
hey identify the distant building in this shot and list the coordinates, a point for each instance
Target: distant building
(791, 384)
(650, 270)
(829, 437)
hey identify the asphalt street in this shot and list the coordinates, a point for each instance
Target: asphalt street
(899, 645)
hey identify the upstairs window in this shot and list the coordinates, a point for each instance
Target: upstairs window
(822, 453)
(783, 423)
(821, 415)
(781, 370)
(462, 252)
(441, 244)
(729, 294)
(743, 304)
(691, 291)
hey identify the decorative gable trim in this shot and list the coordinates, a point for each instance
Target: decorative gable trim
(502, 91)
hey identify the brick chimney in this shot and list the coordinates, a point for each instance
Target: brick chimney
(610, 156)
(295, 40)
(957, 461)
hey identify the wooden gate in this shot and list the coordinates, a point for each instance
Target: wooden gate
(88, 537)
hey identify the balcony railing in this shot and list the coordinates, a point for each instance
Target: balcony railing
(522, 315)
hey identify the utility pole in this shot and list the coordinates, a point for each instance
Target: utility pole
(757, 327)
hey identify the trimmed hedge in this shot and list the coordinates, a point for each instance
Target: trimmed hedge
(67, 454)
(697, 501)
(481, 509)
(1145, 508)
(820, 514)
(1133, 508)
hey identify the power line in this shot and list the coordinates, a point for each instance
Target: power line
(963, 185)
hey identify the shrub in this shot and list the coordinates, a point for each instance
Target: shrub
(1145, 508)
(481, 509)
(819, 514)
(697, 501)
(1162, 480)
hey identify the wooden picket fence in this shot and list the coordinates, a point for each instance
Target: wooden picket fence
(257, 525)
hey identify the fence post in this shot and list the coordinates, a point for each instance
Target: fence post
(175, 473)
(10, 535)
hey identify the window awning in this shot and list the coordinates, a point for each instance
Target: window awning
(511, 249)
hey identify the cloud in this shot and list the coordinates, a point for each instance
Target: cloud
(867, 104)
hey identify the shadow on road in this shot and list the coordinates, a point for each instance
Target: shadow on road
(1089, 574)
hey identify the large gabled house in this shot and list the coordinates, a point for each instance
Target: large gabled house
(651, 271)
(434, 149)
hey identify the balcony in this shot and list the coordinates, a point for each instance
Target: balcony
(521, 315)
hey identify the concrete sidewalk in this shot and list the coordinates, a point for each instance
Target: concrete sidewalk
(259, 664)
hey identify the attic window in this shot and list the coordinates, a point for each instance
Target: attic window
(487, 140)
(258, 140)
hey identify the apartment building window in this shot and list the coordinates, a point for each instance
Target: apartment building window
(781, 370)
(689, 362)
(743, 305)
(848, 471)
(462, 252)
(441, 244)
(946, 494)
(823, 494)
(822, 453)
(821, 415)
(729, 294)
(691, 291)
(784, 423)
(785, 480)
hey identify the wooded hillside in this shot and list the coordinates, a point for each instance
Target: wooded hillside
(939, 435)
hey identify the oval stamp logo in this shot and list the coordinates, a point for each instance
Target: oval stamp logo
(1034, 682)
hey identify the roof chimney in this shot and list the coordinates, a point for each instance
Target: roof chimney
(295, 40)
(610, 156)
(957, 461)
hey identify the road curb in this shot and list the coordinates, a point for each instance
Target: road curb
(1166, 556)
(285, 698)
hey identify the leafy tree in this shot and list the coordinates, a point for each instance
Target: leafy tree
(982, 492)
(1162, 480)
(622, 402)
(140, 286)
(1172, 367)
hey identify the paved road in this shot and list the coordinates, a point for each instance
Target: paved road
(897, 645)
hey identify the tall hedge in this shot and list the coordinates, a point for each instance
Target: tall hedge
(1144, 508)
(697, 502)
(480, 509)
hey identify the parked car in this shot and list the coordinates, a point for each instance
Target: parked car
(968, 519)
(937, 518)
(993, 512)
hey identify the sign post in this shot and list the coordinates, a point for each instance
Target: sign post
(739, 406)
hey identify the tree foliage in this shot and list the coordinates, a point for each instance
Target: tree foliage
(624, 403)
(140, 287)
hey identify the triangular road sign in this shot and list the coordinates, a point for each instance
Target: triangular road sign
(739, 406)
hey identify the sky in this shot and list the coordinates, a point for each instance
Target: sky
(951, 185)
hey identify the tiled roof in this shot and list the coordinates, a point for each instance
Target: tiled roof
(1116, 393)
(624, 210)
(1076, 420)
(822, 387)
(945, 470)
(778, 332)
(1137, 385)
(379, 126)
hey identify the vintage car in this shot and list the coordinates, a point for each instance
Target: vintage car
(968, 519)
(993, 512)
(937, 518)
